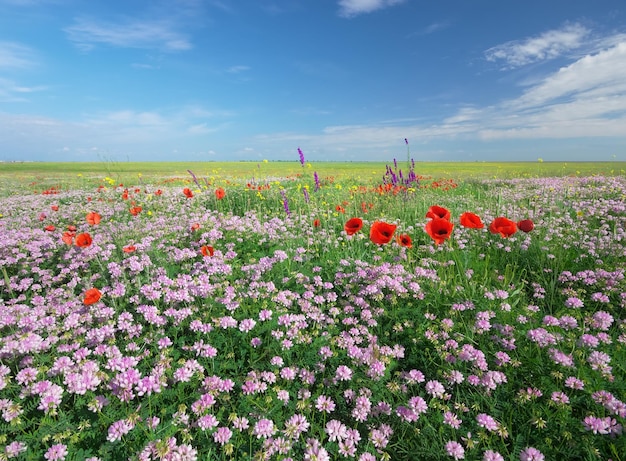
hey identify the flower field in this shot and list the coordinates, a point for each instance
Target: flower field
(315, 318)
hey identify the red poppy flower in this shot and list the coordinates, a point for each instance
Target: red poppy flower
(125, 194)
(220, 193)
(158, 192)
(353, 225)
(42, 216)
(404, 240)
(71, 228)
(92, 296)
(50, 228)
(438, 212)
(54, 207)
(317, 223)
(135, 210)
(83, 240)
(439, 229)
(206, 250)
(526, 225)
(187, 192)
(382, 232)
(195, 226)
(129, 249)
(68, 237)
(340, 209)
(93, 218)
(503, 226)
(471, 220)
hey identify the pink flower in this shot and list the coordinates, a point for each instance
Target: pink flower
(531, 454)
(264, 428)
(325, 404)
(343, 373)
(455, 450)
(222, 435)
(56, 452)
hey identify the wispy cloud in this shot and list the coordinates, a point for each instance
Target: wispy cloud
(15, 56)
(586, 98)
(148, 34)
(237, 69)
(548, 45)
(13, 92)
(350, 8)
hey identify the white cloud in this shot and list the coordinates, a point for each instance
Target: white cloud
(549, 45)
(584, 99)
(15, 56)
(86, 33)
(237, 69)
(350, 8)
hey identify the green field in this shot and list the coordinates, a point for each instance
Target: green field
(92, 173)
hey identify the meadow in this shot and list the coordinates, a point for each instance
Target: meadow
(306, 311)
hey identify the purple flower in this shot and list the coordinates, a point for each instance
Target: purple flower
(56, 452)
(285, 202)
(455, 450)
(301, 154)
(222, 435)
(317, 181)
(491, 455)
(264, 428)
(486, 421)
(343, 373)
(531, 454)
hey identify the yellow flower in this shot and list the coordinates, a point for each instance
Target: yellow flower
(264, 160)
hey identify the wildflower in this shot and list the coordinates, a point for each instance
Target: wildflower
(526, 225)
(187, 192)
(93, 218)
(343, 373)
(325, 404)
(92, 296)
(438, 212)
(404, 240)
(135, 210)
(264, 428)
(531, 454)
(220, 193)
(83, 240)
(301, 154)
(455, 450)
(317, 181)
(13, 449)
(471, 221)
(382, 232)
(503, 226)
(315, 451)
(207, 250)
(222, 435)
(49, 228)
(439, 229)
(353, 225)
(340, 209)
(486, 421)
(491, 455)
(56, 452)
(317, 223)
(336, 430)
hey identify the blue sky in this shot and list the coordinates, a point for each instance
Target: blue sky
(346, 80)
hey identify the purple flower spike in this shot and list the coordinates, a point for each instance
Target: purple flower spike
(301, 156)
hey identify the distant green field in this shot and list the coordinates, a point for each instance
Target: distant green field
(78, 174)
